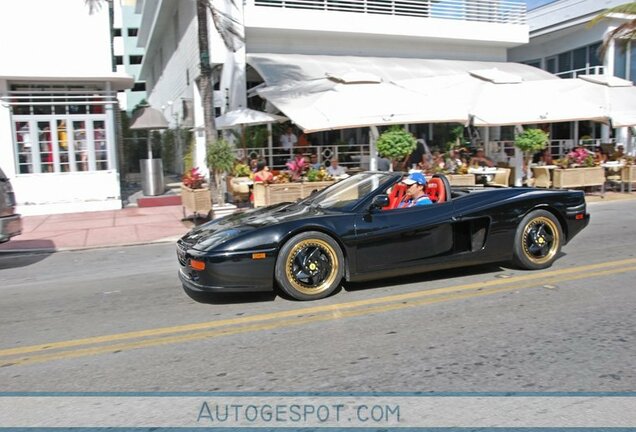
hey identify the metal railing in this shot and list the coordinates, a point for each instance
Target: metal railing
(492, 11)
(350, 156)
(588, 70)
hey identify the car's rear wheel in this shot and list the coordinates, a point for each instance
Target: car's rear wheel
(538, 240)
(309, 266)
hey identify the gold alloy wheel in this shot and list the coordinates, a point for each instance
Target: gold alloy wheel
(541, 240)
(312, 266)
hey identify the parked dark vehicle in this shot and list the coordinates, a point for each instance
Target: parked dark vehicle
(10, 222)
(352, 231)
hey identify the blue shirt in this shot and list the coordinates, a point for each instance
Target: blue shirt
(423, 200)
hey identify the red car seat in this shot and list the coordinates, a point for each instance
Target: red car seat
(396, 196)
(435, 190)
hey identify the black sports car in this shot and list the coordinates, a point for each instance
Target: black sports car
(353, 230)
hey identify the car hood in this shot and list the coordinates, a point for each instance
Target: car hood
(225, 228)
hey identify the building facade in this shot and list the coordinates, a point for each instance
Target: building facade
(128, 55)
(58, 106)
(456, 30)
(564, 42)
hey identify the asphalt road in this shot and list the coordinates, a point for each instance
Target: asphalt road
(117, 320)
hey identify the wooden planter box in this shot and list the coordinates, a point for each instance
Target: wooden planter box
(628, 175)
(196, 200)
(461, 179)
(578, 177)
(268, 194)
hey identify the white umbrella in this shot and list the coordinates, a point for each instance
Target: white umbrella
(246, 117)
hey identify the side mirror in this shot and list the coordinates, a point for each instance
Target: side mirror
(379, 201)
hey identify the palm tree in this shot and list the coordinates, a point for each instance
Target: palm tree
(627, 30)
(231, 32)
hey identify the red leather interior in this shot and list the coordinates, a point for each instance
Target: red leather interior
(435, 190)
(396, 196)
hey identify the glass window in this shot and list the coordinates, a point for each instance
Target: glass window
(135, 59)
(99, 141)
(620, 59)
(132, 32)
(565, 61)
(24, 143)
(139, 86)
(579, 58)
(80, 146)
(550, 65)
(117, 32)
(63, 144)
(119, 60)
(45, 143)
(593, 56)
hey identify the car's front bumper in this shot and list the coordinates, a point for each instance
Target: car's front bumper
(10, 226)
(227, 272)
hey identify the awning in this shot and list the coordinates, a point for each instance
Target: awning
(319, 93)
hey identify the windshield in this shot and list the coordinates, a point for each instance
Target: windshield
(347, 192)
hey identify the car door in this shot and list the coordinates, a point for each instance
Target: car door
(406, 237)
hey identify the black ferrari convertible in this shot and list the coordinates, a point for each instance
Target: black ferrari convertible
(354, 230)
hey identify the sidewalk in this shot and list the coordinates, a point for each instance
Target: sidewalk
(128, 226)
(132, 226)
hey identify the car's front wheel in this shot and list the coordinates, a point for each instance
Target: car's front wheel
(537, 241)
(310, 266)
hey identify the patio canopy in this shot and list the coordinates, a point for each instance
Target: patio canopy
(326, 92)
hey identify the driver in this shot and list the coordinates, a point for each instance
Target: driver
(416, 192)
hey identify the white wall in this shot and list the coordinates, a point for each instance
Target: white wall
(67, 192)
(45, 37)
(181, 66)
(468, 32)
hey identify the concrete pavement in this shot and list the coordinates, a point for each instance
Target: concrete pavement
(128, 226)
(133, 226)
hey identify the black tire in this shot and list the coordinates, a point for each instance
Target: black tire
(309, 266)
(538, 240)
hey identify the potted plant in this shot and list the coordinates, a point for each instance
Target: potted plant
(529, 142)
(578, 169)
(220, 159)
(395, 144)
(195, 196)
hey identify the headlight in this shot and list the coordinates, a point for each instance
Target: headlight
(216, 239)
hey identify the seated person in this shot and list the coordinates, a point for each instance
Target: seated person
(619, 153)
(599, 156)
(544, 157)
(334, 169)
(416, 192)
(313, 161)
(262, 174)
(480, 159)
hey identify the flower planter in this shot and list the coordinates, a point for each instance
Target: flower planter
(268, 194)
(196, 200)
(628, 175)
(461, 179)
(578, 177)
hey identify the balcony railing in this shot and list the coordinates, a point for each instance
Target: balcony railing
(491, 11)
(589, 70)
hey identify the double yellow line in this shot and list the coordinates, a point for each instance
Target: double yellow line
(296, 317)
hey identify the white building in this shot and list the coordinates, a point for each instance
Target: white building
(57, 106)
(563, 42)
(451, 29)
(128, 56)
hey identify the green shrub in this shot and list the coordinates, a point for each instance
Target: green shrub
(395, 144)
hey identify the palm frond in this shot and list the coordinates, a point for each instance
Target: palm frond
(94, 6)
(626, 9)
(230, 29)
(626, 30)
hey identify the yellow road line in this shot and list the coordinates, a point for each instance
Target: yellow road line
(295, 312)
(334, 315)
